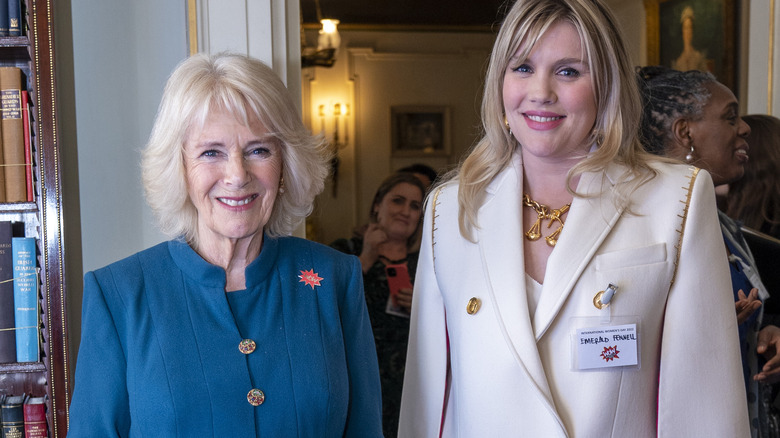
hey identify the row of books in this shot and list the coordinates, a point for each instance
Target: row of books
(11, 15)
(16, 158)
(19, 304)
(23, 416)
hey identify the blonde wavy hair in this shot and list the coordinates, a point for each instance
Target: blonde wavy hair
(245, 88)
(616, 93)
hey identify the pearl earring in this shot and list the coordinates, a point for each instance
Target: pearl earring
(689, 157)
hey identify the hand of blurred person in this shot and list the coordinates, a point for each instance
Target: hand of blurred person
(404, 298)
(374, 237)
(746, 305)
(769, 346)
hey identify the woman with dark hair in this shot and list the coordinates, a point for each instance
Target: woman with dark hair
(386, 250)
(693, 118)
(425, 172)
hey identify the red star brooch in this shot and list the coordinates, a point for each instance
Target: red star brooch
(310, 278)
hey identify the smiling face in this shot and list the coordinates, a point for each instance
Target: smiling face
(233, 174)
(548, 98)
(719, 136)
(398, 213)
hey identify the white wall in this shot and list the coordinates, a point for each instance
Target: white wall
(122, 55)
(631, 16)
(759, 68)
(264, 29)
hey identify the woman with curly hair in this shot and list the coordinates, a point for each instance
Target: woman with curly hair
(693, 118)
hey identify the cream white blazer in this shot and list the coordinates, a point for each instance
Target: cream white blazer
(504, 372)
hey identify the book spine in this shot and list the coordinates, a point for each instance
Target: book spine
(7, 325)
(14, 18)
(25, 298)
(13, 133)
(3, 18)
(28, 162)
(13, 417)
(35, 421)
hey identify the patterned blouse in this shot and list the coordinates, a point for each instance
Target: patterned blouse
(391, 332)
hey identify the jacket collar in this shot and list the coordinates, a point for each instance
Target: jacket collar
(589, 221)
(500, 238)
(500, 241)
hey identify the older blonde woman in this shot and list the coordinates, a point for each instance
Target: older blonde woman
(230, 329)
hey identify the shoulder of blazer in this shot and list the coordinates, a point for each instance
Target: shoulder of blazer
(443, 200)
(130, 270)
(692, 174)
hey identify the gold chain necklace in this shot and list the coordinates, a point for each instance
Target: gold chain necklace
(544, 212)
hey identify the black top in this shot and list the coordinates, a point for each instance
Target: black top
(391, 332)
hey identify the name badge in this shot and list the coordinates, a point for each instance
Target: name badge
(606, 346)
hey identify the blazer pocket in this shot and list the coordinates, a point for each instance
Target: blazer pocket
(626, 258)
(642, 275)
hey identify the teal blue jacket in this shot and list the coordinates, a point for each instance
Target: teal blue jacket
(159, 351)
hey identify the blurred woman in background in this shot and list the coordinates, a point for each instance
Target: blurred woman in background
(387, 255)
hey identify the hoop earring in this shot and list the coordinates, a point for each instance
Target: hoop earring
(689, 157)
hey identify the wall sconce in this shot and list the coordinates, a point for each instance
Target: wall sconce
(338, 110)
(328, 44)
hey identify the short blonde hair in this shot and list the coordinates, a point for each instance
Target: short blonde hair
(245, 88)
(616, 95)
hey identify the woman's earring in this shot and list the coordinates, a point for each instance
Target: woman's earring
(281, 186)
(689, 157)
(598, 137)
(506, 123)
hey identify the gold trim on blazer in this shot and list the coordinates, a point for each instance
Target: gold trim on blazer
(687, 202)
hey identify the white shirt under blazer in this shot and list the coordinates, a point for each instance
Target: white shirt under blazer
(501, 372)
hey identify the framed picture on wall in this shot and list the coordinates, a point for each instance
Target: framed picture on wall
(694, 35)
(420, 131)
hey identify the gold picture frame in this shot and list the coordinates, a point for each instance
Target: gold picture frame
(694, 35)
(420, 131)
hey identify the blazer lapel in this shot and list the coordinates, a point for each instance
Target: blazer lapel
(589, 222)
(500, 241)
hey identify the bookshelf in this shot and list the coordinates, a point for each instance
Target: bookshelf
(34, 54)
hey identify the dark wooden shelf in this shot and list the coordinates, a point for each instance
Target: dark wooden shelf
(15, 48)
(15, 41)
(34, 54)
(22, 367)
